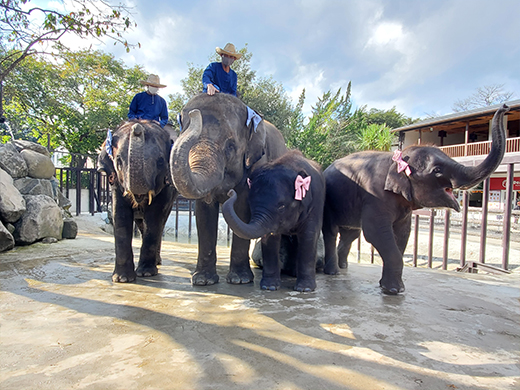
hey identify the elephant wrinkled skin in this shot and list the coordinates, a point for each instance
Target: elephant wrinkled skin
(214, 153)
(286, 197)
(140, 181)
(377, 192)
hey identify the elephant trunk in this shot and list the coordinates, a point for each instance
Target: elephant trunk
(468, 177)
(196, 163)
(243, 230)
(139, 183)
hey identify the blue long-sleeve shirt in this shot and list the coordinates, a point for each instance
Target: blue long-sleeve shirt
(151, 107)
(216, 75)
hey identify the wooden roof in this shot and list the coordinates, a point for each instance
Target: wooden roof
(477, 119)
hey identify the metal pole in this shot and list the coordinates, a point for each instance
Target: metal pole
(447, 214)
(464, 229)
(506, 238)
(483, 224)
(430, 239)
(415, 239)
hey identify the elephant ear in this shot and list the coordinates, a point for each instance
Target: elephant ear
(105, 163)
(256, 144)
(398, 183)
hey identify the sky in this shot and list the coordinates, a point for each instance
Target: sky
(417, 56)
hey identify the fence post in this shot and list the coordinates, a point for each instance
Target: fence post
(483, 224)
(506, 238)
(464, 228)
(430, 240)
(415, 239)
(445, 253)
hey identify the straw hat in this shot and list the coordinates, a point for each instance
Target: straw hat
(229, 49)
(153, 81)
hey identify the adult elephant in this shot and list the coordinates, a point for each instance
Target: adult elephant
(214, 153)
(377, 192)
(136, 160)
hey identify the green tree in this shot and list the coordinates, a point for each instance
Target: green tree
(390, 118)
(375, 137)
(27, 30)
(74, 101)
(331, 130)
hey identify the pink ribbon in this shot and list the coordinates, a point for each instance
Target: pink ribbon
(301, 186)
(401, 164)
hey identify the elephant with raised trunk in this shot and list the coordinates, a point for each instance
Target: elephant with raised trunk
(216, 150)
(286, 197)
(377, 191)
(136, 160)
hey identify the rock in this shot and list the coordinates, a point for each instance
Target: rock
(39, 166)
(6, 239)
(63, 202)
(70, 228)
(12, 162)
(49, 240)
(22, 144)
(30, 186)
(12, 204)
(42, 219)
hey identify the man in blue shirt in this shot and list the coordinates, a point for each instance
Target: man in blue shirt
(149, 105)
(218, 76)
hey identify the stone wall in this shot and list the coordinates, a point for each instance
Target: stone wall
(32, 207)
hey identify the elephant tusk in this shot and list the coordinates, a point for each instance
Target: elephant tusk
(150, 197)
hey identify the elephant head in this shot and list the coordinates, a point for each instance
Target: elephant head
(426, 176)
(282, 194)
(135, 158)
(216, 147)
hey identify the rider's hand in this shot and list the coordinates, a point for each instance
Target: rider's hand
(211, 90)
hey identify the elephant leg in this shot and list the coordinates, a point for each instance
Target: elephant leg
(379, 232)
(402, 230)
(239, 268)
(346, 238)
(206, 216)
(306, 261)
(155, 217)
(271, 264)
(123, 219)
(330, 234)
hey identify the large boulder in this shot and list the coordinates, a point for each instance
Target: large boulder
(41, 220)
(39, 166)
(6, 239)
(70, 228)
(22, 144)
(12, 204)
(30, 186)
(11, 161)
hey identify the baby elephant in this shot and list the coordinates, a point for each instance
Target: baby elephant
(286, 197)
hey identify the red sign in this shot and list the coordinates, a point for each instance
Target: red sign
(499, 183)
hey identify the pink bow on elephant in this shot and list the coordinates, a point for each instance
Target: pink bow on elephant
(301, 186)
(401, 164)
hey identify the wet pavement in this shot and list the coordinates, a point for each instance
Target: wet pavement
(65, 325)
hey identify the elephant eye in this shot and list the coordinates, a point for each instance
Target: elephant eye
(160, 163)
(437, 171)
(119, 163)
(281, 207)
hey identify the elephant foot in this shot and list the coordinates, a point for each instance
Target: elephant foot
(391, 286)
(201, 278)
(331, 269)
(146, 270)
(305, 285)
(343, 263)
(271, 284)
(124, 275)
(240, 277)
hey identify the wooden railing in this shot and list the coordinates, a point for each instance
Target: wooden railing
(479, 148)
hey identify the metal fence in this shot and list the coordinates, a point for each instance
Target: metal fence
(75, 182)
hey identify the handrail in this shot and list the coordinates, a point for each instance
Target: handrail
(479, 148)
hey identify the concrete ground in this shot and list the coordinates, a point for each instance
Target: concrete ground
(65, 325)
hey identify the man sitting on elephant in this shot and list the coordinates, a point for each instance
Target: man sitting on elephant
(218, 76)
(148, 104)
